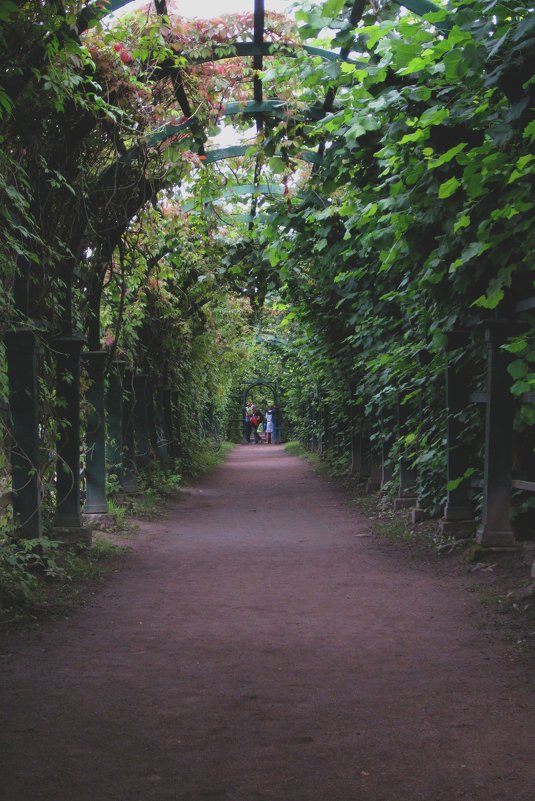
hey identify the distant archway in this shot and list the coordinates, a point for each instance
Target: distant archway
(277, 410)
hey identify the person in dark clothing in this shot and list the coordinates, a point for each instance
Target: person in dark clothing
(247, 427)
(256, 419)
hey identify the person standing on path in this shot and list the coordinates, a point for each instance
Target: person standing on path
(256, 419)
(269, 426)
(247, 427)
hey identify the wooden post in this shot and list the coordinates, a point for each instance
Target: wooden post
(22, 358)
(495, 529)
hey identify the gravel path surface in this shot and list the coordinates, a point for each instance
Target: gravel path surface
(258, 645)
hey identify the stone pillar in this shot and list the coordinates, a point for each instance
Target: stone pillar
(68, 511)
(128, 478)
(95, 467)
(458, 517)
(114, 420)
(141, 422)
(495, 529)
(22, 356)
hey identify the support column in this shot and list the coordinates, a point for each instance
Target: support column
(176, 424)
(162, 439)
(360, 455)
(356, 448)
(68, 511)
(495, 529)
(374, 481)
(386, 466)
(458, 517)
(95, 467)
(365, 454)
(277, 426)
(22, 356)
(129, 479)
(141, 422)
(114, 420)
(407, 477)
(167, 420)
(386, 471)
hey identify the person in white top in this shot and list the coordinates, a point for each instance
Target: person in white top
(269, 426)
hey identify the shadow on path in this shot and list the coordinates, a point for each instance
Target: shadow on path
(256, 647)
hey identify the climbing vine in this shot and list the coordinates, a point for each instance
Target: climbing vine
(400, 177)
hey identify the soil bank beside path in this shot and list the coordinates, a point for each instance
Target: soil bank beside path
(258, 647)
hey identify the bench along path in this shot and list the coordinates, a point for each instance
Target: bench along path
(257, 646)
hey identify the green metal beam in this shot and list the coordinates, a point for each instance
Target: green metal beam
(422, 7)
(276, 108)
(241, 190)
(232, 109)
(221, 153)
(235, 151)
(419, 7)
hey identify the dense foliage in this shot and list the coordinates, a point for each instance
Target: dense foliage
(400, 180)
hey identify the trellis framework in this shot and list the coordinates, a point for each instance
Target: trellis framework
(69, 347)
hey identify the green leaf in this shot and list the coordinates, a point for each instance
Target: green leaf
(517, 346)
(448, 188)
(434, 116)
(332, 8)
(447, 156)
(276, 164)
(518, 369)
(463, 221)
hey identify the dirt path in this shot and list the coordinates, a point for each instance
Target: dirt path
(257, 646)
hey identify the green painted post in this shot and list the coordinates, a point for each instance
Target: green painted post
(162, 439)
(141, 422)
(458, 511)
(114, 420)
(167, 420)
(374, 479)
(495, 529)
(175, 408)
(277, 426)
(387, 471)
(407, 477)
(22, 361)
(95, 467)
(68, 507)
(354, 427)
(128, 478)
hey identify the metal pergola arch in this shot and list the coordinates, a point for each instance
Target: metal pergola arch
(145, 190)
(258, 108)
